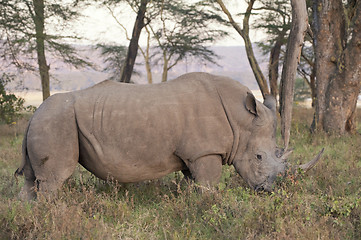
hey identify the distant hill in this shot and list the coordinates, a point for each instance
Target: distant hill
(232, 62)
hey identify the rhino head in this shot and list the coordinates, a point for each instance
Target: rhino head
(258, 159)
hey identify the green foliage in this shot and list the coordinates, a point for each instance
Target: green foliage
(182, 30)
(18, 31)
(324, 203)
(178, 30)
(10, 104)
(302, 90)
(114, 57)
(274, 19)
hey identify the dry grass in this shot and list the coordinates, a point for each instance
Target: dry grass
(324, 204)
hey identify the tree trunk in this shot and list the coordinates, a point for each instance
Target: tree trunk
(149, 71)
(292, 58)
(40, 46)
(313, 86)
(273, 66)
(133, 45)
(164, 75)
(165, 67)
(147, 59)
(338, 70)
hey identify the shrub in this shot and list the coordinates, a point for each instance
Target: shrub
(10, 104)
(302, 90)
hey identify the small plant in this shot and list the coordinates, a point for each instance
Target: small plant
(10, 104)
(289, 178)
(302, 90)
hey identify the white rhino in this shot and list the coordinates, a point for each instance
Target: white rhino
(194, 124)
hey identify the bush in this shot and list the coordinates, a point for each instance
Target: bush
(302, 90)
(10, 105)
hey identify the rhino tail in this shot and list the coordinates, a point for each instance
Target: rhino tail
(25, 157)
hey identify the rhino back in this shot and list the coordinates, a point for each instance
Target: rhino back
(137, 132)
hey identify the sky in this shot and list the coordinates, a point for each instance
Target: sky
(99, 26)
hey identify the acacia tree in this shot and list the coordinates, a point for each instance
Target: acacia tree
(181, 30)
(23, 26)
(175, 29)
(337, 39)
(111, 54)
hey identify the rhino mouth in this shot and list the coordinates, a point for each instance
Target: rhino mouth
(259, 188)
(263, 187)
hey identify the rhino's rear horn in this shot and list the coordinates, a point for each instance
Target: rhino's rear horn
(285, 155)
(307, 166)
(271, 103)
(282, 154)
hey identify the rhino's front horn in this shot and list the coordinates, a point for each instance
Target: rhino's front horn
(307, 166)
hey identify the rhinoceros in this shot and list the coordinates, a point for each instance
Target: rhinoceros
(130, 133)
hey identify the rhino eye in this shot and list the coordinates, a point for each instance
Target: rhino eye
(259, 157)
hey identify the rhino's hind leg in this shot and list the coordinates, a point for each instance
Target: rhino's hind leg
(48, 188)
(53, 151)
(51, 175)
(206, 170)
(27, 192)
(52, 170)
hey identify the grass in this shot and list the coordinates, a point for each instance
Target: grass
(323, 204)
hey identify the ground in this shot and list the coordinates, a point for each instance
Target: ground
(322, 204)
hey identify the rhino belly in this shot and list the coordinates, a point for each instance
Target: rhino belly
(128, 165)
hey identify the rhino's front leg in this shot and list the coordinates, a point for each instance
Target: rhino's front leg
(206, 170)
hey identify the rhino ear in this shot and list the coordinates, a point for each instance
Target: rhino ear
(251, 104)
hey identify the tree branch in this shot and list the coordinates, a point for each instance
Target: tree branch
(230, 18)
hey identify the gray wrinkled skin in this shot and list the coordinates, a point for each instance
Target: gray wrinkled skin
(195, 123)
